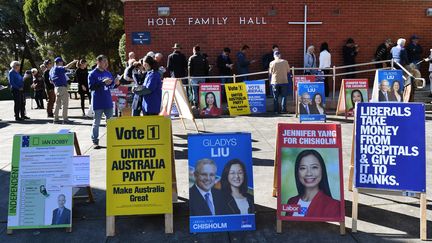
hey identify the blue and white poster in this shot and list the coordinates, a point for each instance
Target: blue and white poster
(311, 101)
(221, 192)
(256, 95)
(390, 86)
(390, 146)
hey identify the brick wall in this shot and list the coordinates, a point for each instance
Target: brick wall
(368, 22)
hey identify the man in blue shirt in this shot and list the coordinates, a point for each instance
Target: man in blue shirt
(58, 77)
(17, 87)
(243, 63)
(100, 83)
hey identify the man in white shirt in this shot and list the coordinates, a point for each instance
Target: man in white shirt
(325, 62)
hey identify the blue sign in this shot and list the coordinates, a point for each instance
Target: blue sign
(390, 146)
(311, 101)
(256, 95)
(390, 86)
(141, 38)
(221, 182)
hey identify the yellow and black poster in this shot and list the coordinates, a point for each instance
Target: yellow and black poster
(237, 98)
(139, 179)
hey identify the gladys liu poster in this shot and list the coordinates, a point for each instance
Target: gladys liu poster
(40, 193)
(256, 95)
(356, 90)
(210, 99)
(311, 101)
(139, 159)
(310, 174)
(221, 192)
(389, 87)
(390, 146)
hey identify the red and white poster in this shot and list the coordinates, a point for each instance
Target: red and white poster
(310, 174)
(120, 99)
(355, 91)
(210, 99)
(302, 78)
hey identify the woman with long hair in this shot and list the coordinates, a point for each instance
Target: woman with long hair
(324, 63)
(234, 185)
(356, 97)
(152, 101)
(395, 92)
(314, 196)
(211, 108)
(317, 105)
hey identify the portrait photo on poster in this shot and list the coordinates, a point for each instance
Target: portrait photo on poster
(390, 86)
(310, 183)
(210, 100)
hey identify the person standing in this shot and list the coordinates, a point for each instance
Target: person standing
(268, 58)
(279, 69)
(100, 82)
(177, 65)
(414, 51)
(399, 54)
(158, 58)
(383, 53)
(82, 79)
(310, 61)
(324, 63)
(350, 51)
(152, 101)
(38, 87)
(49, 86)
(243, 63)
(58, 77)
(197, 67)
(17, 87)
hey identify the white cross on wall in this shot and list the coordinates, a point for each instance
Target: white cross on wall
(305, 23)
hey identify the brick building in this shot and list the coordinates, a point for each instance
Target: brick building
(260, 24)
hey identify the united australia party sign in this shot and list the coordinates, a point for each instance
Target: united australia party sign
(390, 146)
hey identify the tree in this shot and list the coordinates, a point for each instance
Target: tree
(16, 42)
(122, 48)
(75, 29)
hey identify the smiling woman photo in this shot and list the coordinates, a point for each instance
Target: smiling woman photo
(314, 197)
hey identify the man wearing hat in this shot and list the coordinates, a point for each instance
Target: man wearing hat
(278, 70)
(414, 51)
(177, 63)
(58, 77)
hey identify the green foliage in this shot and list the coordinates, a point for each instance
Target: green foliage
(75, 29)
(122, 48)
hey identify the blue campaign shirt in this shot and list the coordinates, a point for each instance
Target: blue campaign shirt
(152, 101)
(101, 95)
(15, 79)
(57, 75)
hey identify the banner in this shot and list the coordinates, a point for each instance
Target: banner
(168, 88)
(388, 86)
(256, 95)
(311, 103)
(310, 172)
(302, 79)
(221, 192)
(355, 90)
(237, 99)
(139, 158)
(390, 146)
(210, 99)
(81, 171)
(41, 169)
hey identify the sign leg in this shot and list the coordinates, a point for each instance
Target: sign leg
(69, 230)
(279, 226)
(354, 210)
(169, 228)
(423, 220)
(110, 225)
(342, 228)
(9, 231)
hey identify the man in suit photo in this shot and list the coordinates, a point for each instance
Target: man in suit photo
(203, 198)
(61, 215)
(384, 94)
(304, 106)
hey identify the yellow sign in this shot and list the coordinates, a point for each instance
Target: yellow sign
(139, 179)
(237, 98)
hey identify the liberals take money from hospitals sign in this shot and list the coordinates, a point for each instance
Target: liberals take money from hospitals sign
(390, 146)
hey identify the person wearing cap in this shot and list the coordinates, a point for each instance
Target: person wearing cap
(49, 86)
(197, 67)
(383, 53)
(399, 53)
(100, 82)
(17, 87)
(279, 69)
(58, 77)
(414, 51)
(38, 87)
(350, 51)
(243, 63)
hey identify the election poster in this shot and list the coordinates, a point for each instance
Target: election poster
(390, 146)
(302, 79)
(221, 192)
(40, 194)
(310, 173)
(256, 95)
(353, 91)
(237, 98)
(311, 101)
(210, 99)
(120, 99)
(388, 86)
(168, 88)
(139, 162)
